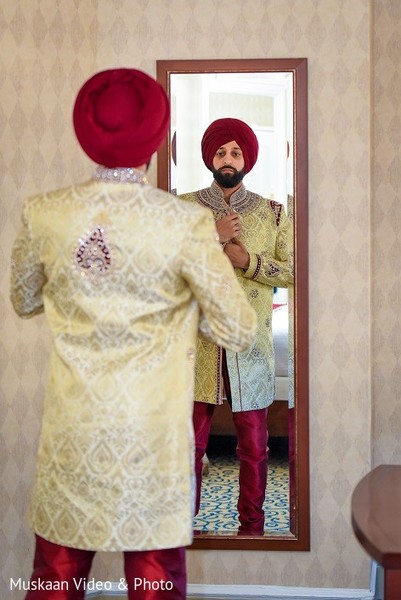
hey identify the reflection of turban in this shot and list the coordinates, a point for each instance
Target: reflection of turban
(221, 132)
(121, 117)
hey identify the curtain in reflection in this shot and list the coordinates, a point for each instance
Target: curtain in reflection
(291, 396)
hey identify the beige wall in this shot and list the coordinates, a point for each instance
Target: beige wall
(47, 48)
(386, 234)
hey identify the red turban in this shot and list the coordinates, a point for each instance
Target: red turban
(121, 117)
(221, 132)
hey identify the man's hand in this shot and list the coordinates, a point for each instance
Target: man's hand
(228, 227)
(238, 254)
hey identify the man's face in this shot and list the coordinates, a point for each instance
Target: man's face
(229, 165)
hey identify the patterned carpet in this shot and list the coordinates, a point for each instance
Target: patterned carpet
(220, 489)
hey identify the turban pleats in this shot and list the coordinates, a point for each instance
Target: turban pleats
(121, 117)
(221, 132)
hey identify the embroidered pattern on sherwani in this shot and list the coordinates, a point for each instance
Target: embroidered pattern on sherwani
(242, 201)
(115, 459)
(93, 255)
(267, 234)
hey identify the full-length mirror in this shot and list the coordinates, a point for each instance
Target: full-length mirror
(270, 95)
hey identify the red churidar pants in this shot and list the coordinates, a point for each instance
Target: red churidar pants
(144, 572)
(252, 452)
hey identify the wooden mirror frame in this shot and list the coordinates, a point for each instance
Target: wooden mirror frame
(299, 536)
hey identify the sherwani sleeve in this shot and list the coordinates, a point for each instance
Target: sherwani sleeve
(227, 319)
(27, 272)
(275, 269)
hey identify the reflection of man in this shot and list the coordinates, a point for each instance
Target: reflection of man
(257, 238)
(122, 301)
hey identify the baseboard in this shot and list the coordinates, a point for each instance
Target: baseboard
(269, 592)
(251, 592)
(196, 591)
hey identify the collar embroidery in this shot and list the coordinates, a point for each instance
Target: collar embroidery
(242, 201)
(120, 175)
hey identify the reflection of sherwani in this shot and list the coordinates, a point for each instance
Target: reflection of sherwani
(267, 235)
(115, 454)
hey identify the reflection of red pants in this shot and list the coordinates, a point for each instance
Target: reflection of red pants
(252, 453)
(149, 575)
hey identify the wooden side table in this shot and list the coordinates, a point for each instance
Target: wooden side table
(376, 521)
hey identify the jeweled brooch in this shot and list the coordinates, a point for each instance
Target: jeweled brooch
(93, 254)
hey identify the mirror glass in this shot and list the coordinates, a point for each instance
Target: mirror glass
(270, 96)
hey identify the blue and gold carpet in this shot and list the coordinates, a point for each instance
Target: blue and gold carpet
(218, 510)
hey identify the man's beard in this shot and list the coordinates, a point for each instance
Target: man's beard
(229, 179)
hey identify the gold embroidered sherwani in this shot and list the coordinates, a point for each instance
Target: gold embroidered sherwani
(267, 235)
(122, 271)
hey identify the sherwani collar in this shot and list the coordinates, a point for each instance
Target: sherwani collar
(241, 200)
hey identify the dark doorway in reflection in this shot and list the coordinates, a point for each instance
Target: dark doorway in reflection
(218, 510)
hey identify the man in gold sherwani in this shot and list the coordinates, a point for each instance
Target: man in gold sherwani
(126, 275)
(257, 238)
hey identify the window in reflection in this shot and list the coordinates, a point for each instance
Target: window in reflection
(263, 100)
